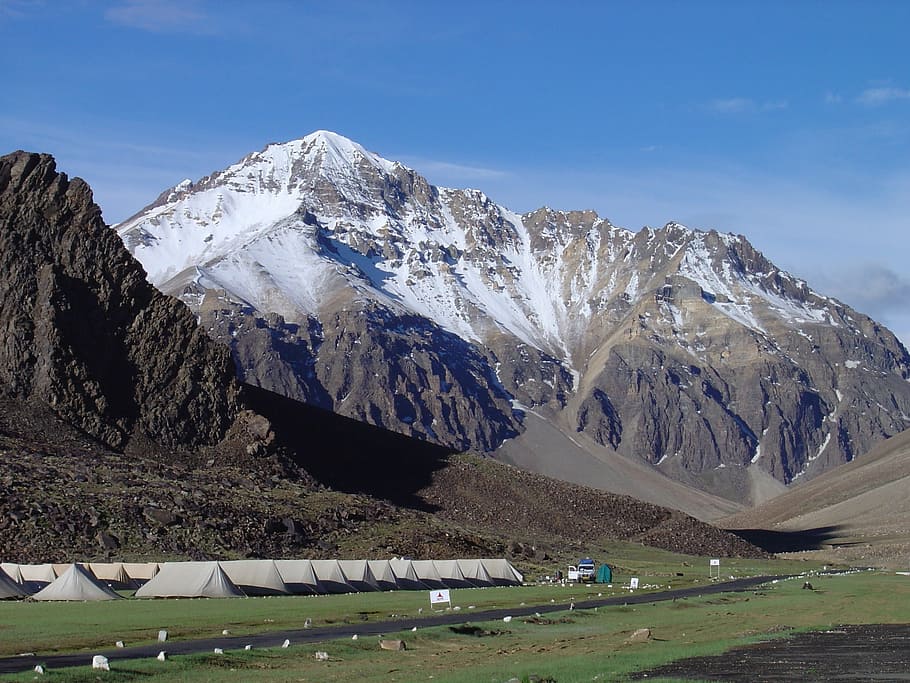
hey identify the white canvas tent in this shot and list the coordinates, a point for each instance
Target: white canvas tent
(190, 580)
(76, 583)
(37, 576)
(473, 571)
(299, 577)
(331, 576)
(451, 575)
(384, 574)
(359, 575)
(12, 571)
(10, 589)
(405, 575)
(113, 574)
(502, 572)
(140, 572)
(428, 574)
(255, 577)
(60, 567)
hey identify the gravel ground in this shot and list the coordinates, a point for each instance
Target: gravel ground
(877, 652)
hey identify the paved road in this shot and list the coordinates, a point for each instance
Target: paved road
(317, 635)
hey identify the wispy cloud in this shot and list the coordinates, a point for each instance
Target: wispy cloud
(443, 172)
(876, 97)
(873, 288)
(161, 16)
(833, 98)
(15, 9)
(745, 105)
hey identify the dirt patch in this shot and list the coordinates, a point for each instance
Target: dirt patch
(847, 653)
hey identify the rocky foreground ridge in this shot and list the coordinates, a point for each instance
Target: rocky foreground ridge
(347, 281)
(123, 432)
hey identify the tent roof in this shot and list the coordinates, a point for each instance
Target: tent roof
(190, 580)
(38, 572)
(383, 573)
(12, 571)
(9, 588)
(111, 572)
(140, 571)
(502, 571)
(299, 576)
(76, 583)
(359, 575)
(405, 575)
(256, 577)
(331, 576)
(474, 572)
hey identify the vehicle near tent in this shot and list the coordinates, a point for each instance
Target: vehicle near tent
(604, 574)
(587, 569)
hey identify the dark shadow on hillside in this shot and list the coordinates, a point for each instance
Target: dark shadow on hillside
(351, 456)
(790, 541)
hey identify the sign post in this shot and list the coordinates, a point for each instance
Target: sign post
(714, 569)
(440, 596)
(633, 583)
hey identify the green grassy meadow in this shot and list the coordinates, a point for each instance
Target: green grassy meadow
(577, 645)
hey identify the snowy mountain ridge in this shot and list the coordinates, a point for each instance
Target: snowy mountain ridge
(733, 362)
(242, 230)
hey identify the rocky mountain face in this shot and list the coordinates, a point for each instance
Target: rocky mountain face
(346, 280)
(125, 434)
(86, 334)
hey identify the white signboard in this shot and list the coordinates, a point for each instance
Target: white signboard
(715, 563)
(633, 582)
(440, 596)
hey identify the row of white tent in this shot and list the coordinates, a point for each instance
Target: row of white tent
(239, 578)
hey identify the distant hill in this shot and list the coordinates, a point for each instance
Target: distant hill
(857, 512)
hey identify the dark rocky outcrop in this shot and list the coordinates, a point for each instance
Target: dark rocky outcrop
(87, 335)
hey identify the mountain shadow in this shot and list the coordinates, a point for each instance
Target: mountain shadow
(351, 456)
(791, 541)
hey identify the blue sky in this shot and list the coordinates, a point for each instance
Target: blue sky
(788, 122)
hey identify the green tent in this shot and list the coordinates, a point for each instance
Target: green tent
(604, 574)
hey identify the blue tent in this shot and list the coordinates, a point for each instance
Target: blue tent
(604, 574)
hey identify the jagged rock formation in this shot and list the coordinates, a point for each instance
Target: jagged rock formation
(347, 280)
(87, 335)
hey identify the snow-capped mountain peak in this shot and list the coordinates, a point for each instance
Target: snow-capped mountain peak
(629, 333)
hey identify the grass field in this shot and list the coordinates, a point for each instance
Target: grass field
(579, 645)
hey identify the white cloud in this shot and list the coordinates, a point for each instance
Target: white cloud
(733, 105)
(745, 105)
(161, 16)
(875, 97)
(447, 173)
(17, 8)
(833, 98)
(871, 287)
